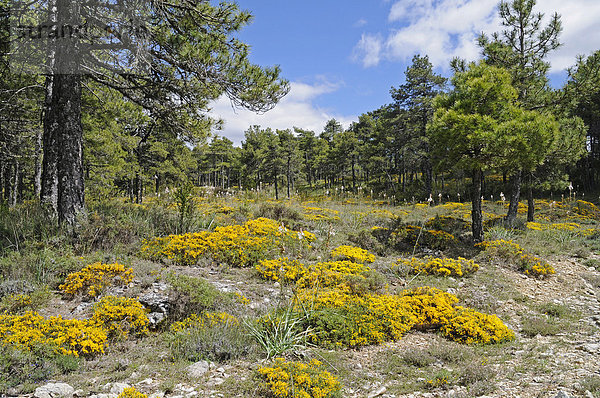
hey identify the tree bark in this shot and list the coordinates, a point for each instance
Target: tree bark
(515, 194)
(49, 177)
(66, 106)
(14, 186)
(49, 188)
(37, 178)
(530, 201)
(476, 215)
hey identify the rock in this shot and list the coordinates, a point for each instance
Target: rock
(159, 394)
(146, 382)
(562, 394)
(103, 396)
(217, 381)
(588, 394)
(116, 388)
(156, 318)
(52, 390)
(79, 393)
(451, 291)
(81, 308)
(377, 392)
(156, 302)
(592, 348)
(198, 369)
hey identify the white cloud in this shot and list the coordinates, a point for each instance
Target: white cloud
(360, 23)
(368, 50)
(294, 110)
(444, 29)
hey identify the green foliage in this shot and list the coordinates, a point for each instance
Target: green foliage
(23, 369)
(195, 295)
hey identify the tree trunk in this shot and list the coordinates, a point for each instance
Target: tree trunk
(37, 177)
(66, 106)
(49, 188)
(276, 188)
(530, 201)
(476, 215)
(515, 194)
(138, 188)
(49, 177)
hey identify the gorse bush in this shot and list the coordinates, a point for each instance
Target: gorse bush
(471, 327)
(299, 380)
(338, 318)
(131, 392)
(92, 279)
(512, 253)
(352, 253)
(236, 245)
(63, 336)
(121, 317)
(439, 266)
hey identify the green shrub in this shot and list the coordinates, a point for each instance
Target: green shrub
(191, 295)
(213, 338)
(22, 369)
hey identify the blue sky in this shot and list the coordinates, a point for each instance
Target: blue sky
(342, 57)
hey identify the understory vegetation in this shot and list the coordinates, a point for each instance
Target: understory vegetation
(277, 296)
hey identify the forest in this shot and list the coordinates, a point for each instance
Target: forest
(445, 244)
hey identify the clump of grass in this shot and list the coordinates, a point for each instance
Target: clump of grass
(591, 384)
(540, 325)
(191, 295)
(277, 334)
(420, 357)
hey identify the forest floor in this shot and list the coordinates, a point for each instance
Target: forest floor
(555, 318)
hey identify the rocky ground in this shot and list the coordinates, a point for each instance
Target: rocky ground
(556, 353)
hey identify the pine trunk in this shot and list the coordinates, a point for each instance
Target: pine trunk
(530, 201)
(476, 214)
(515, 194)
(37, 178)
(66, 106)
(49, 188)
(49, 177)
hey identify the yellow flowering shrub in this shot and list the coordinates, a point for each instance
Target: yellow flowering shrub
(131, 392)
(320, 214)
(121, 317)
(281, 269)
(471, 327)
(513, 253)
(237, 245)
(93, 278)
(64, 336)
(356, 254)
(203, 321)
(535, 266)
(299, 380)
(430, 307)
(14, 303)
(323, 274)
(338, 318)
(439, 266)
(331, 274)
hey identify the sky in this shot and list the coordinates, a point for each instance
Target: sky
(341, 57)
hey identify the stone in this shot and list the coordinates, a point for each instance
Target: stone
(54, 390)
(377, 392)
(156, 318)
(156, 302)
(159, 394)
(588, 394)
(198, 369)
(103, 396)
(146, 382)
(117, 388)
(562, 394)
